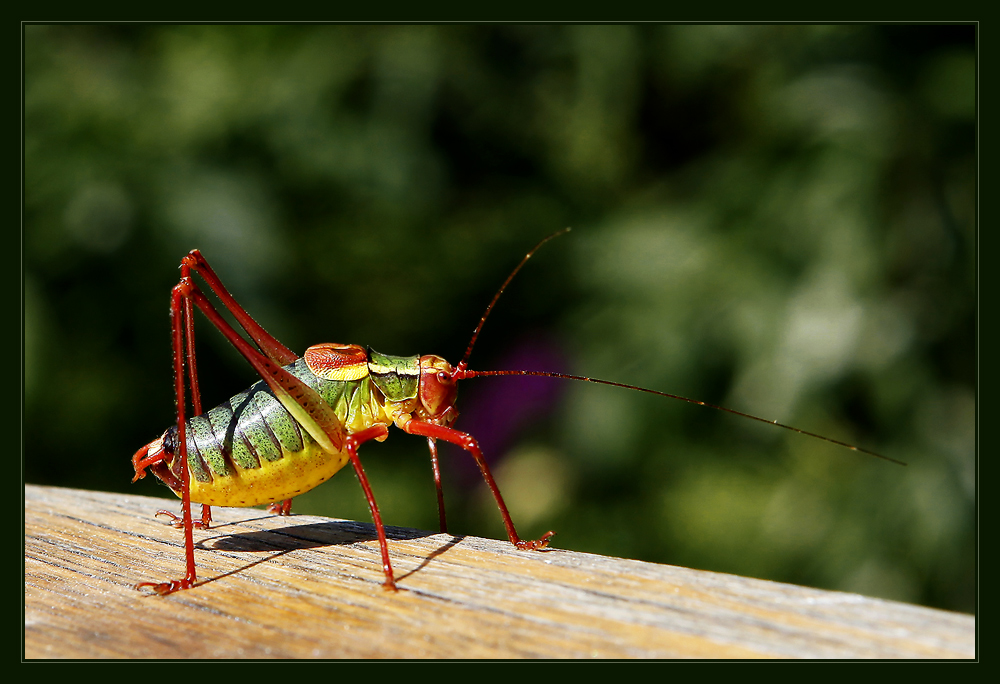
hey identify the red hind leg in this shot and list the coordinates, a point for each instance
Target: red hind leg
(267, 356)
(181, 315)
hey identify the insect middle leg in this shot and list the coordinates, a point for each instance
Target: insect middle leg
(280, 507)
(351, 443)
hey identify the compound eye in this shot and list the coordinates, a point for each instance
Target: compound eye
(444, 378)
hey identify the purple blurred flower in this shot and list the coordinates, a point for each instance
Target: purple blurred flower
(496, 410)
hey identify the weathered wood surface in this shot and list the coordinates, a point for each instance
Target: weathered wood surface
(310, 587)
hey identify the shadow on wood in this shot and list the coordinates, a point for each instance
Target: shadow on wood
(309, 587)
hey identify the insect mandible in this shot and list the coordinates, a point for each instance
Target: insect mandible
(306, 418)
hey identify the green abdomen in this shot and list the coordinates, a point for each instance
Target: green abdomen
(250, 450)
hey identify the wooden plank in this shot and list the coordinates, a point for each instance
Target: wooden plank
(310, 587)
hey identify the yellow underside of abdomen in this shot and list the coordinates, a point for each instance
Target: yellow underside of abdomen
(285, 478)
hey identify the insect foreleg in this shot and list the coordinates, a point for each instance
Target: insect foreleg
(432, 447)
(468, 442)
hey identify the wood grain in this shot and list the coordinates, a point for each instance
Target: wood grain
(310, 587)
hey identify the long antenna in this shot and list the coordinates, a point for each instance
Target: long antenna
(461, 371)
(465, 374)
(463, 364)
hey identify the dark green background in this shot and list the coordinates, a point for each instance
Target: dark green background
(780, 219)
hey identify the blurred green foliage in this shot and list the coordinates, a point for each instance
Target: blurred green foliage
(780, 219)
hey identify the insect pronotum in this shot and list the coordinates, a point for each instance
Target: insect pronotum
(306, 418)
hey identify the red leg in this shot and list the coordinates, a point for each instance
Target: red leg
(351, 444)
(180, 308)
(267, 343)
(314, 414)
(195, 390)
(271, 347)
(178, 522)
(191, 364)
(468, 442)
(432, 446)
(280, 507)
(300, 400)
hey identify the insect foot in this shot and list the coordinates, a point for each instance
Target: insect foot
(164, 588)
(536, 545)
(177, 522)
